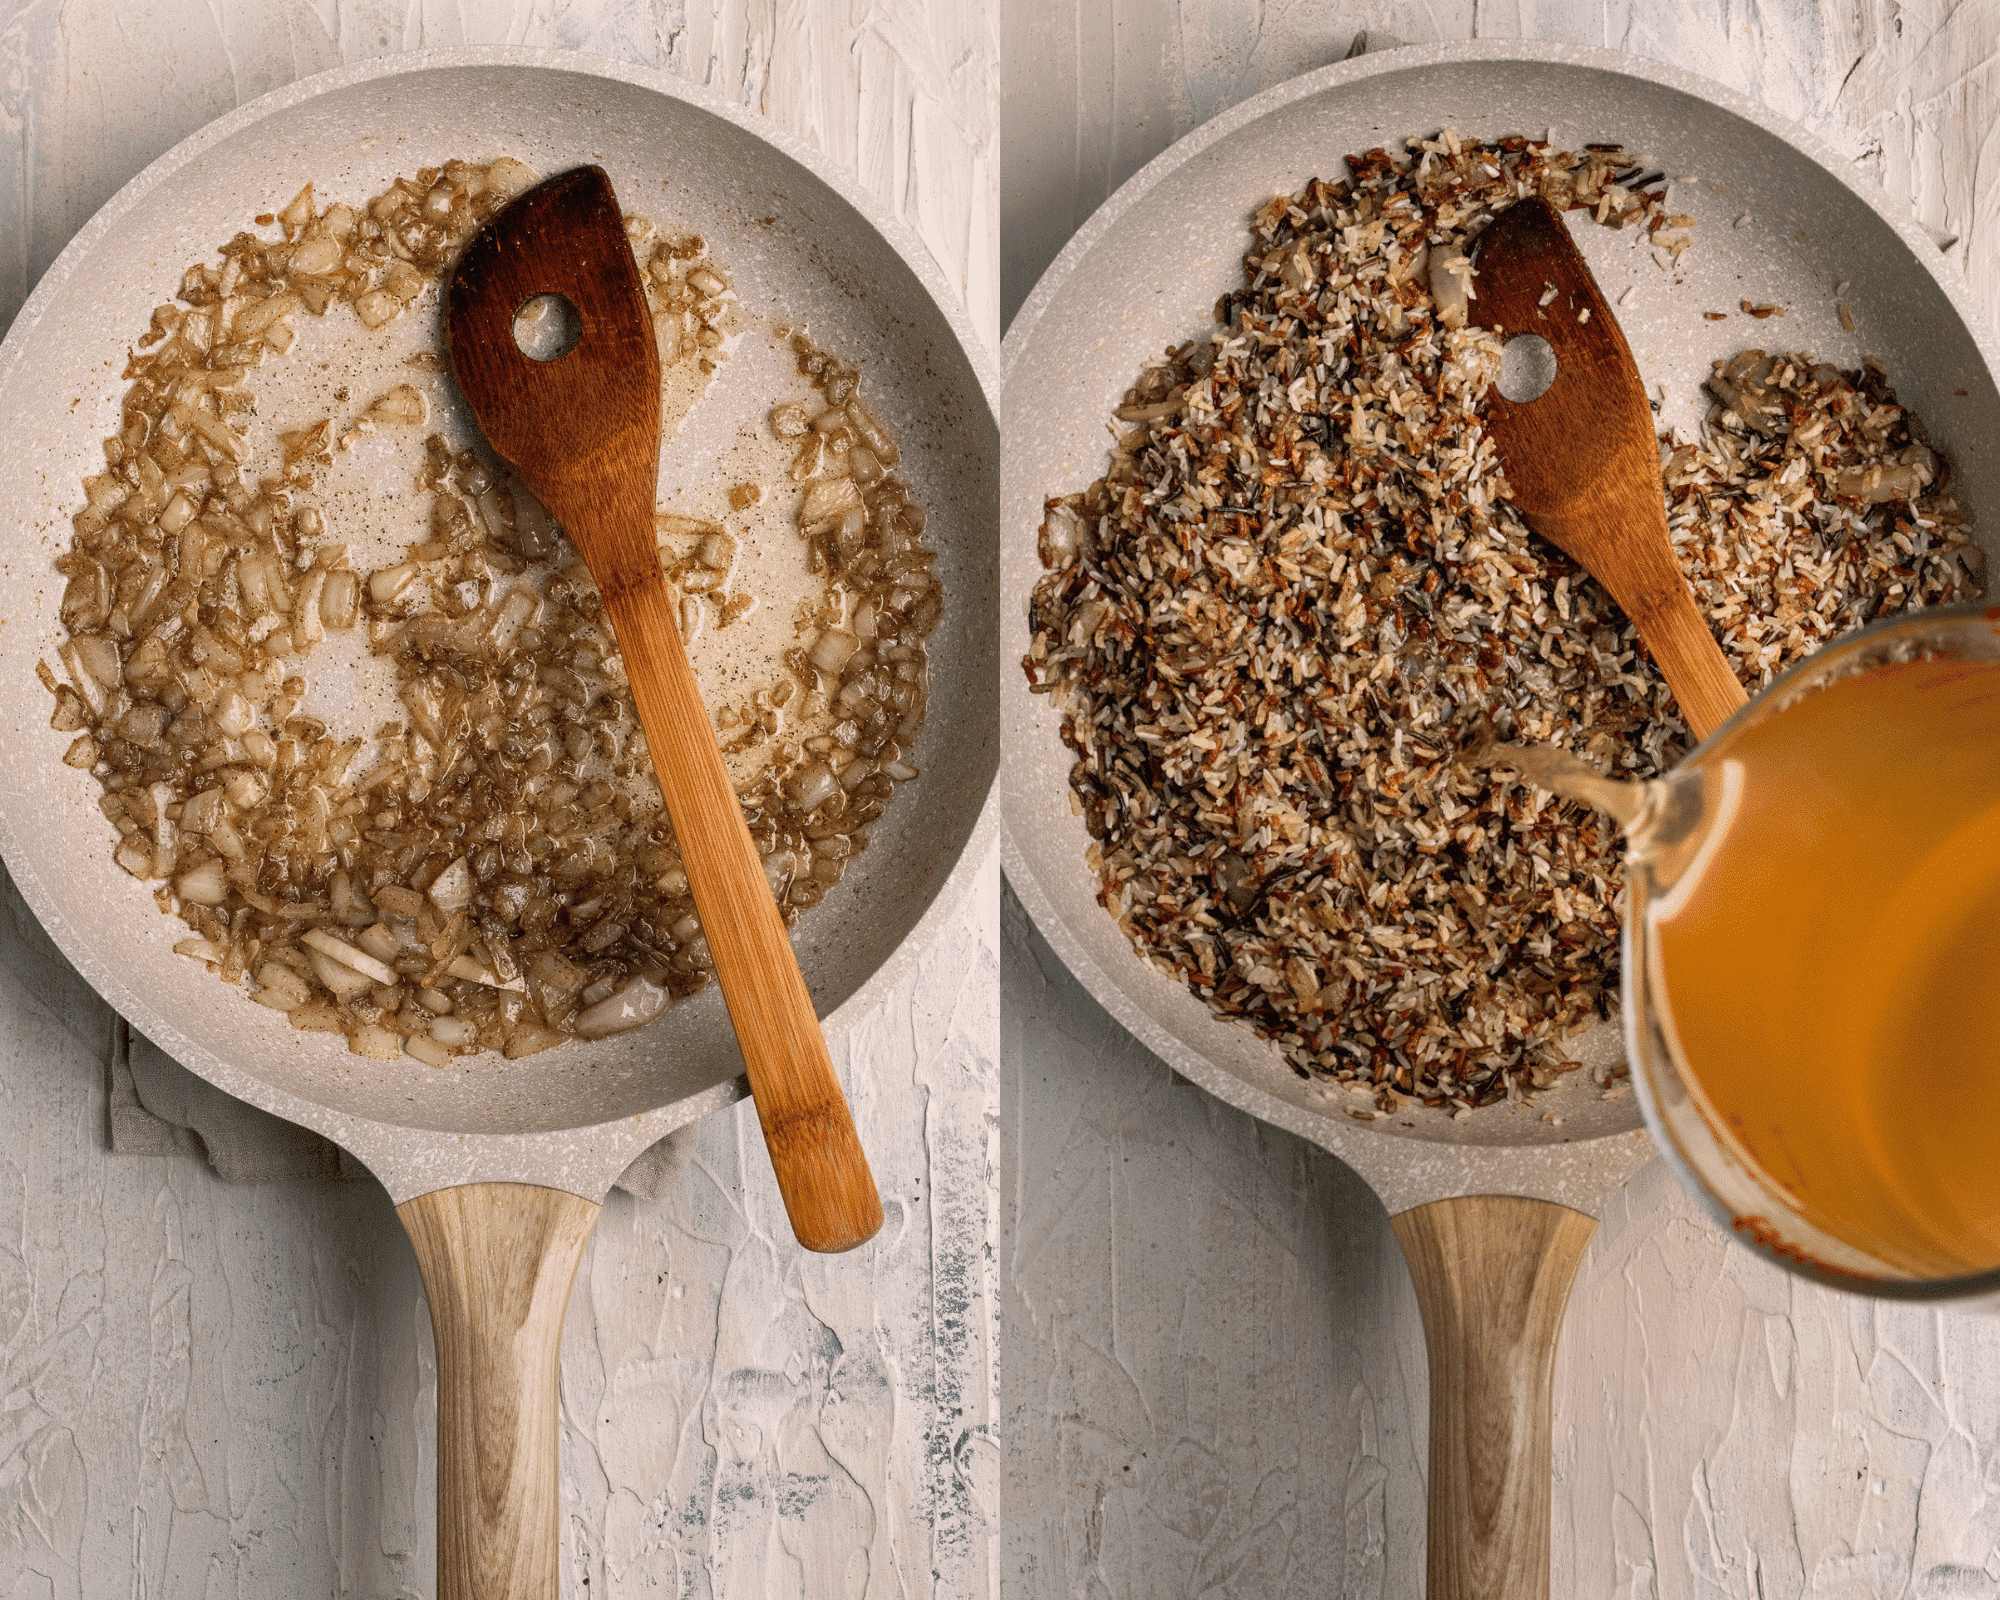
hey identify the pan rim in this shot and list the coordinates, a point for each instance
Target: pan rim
(584, 1156)
(1499, 51)
(1377, 1150)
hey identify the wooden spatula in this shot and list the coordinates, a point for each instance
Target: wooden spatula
(583, 432)
(1581, 459)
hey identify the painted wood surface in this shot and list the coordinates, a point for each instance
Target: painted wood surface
(226, 1389)
(1210, 1337)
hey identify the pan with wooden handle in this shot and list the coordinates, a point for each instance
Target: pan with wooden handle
(1495, 1210)
(498, 1167)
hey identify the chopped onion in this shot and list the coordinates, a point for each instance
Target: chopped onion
(515, 613)
(399, 901)
(282, 980)
(550, 968)
(203, 813)
(376, 307)
(465, 967)
(831, 497)
(233, 714)
(831, 650)
(527, 1039)
(255, 319)
(341, 951)
(191, 580)
(315, 257)
(298, 210)
(427, 1050)
(99, 656)
(790, 421)
(452, 889)
(508, 177)
(343, 980)
(779, 868)
(379, 941)
(404, 282)
(870, 433)
(179, 511)
(307, 622)
(388, 584)
(1060, 539)
(340, 889)
(339, 601)
(375, 1042)
(633, 1006)
(86, 602)
(453, 1031)
(223, 835)
(813, 787)
(204, 885)
(246, 790)
(402, 405)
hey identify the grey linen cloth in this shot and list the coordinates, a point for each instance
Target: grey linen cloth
(159, 1108)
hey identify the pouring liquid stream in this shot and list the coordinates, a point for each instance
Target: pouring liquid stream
(1823, 922)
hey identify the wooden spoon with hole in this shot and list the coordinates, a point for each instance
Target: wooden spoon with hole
(1581, 460)
(583, 431)
(1493, 1271)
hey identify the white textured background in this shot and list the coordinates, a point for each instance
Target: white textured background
(225, 1390)
(1210, 1346)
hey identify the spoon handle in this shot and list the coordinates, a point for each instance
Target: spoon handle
(1705, 685)
(1651, 589)
(822, 1173)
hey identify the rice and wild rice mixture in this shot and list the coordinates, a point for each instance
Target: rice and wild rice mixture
(1299, 597)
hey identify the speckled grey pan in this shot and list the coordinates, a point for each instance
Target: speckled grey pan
(797, 236)
(1145, 272)
(1779, 218)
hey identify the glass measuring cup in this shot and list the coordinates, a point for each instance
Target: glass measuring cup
(1812, 959)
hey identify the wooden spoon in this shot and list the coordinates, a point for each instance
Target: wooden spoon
(1581, 459)
(583, 432)
(1493, 1272)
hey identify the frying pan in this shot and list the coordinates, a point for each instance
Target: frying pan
(498, 1167)
(1493, 1211)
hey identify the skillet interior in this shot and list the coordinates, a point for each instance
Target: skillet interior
(797, 248)
(1110, 301)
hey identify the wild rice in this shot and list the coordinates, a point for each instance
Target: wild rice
(1300, 594)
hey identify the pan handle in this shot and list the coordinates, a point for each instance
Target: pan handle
(1493, 1274)
(497, 1261)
